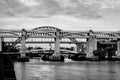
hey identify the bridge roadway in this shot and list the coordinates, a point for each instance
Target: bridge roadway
(92, 37)
(44, 42)
(64, 34)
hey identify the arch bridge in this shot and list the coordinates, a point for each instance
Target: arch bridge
(57, 36)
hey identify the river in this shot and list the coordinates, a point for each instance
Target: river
(84, 70)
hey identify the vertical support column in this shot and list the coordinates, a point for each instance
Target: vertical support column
(1, 41)
(118, 47)
(91, 44)
(57, 43)
(82, 47)
(24, 33)
(95, 44)
(79, 48)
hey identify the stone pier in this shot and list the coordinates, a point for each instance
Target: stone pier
(56, 56)
(118, 47)
(23, 57)
(24, 33)
(57, 44)
(91, 44)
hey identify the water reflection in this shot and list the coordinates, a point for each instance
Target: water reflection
(68, 71)
(20, 71)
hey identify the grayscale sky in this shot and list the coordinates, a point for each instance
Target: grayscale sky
(100, 15)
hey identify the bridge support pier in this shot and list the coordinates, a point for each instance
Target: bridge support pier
(56, 56)
(118, 47)
(91, 44)
(23, 44)
(57, 46)
(23, 57)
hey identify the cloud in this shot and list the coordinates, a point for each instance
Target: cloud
(67, 7)
(87, 9)
(11, 8)
(29, 3)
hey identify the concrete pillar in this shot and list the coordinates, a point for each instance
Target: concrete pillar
(57, 43)
(91, 44)
(118, 47)
(23, 43)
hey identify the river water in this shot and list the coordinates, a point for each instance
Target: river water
(84, 70)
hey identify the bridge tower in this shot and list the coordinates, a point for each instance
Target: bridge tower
(91, 44)
(118, 47)
(57, 43)
(23, 48)
(23, 57)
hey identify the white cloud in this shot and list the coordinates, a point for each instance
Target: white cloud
(66, 18)
(29, 3)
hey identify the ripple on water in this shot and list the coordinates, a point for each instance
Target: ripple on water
(71, 71)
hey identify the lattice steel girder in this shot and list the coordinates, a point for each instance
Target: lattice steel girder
(37, 33)
(46, 42)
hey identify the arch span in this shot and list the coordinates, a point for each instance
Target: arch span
(46, 28)
(9, 33)
(44, 32)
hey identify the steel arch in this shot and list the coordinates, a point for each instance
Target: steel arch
(10, 33)
(46, 28)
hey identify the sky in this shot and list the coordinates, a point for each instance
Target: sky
(98, 15)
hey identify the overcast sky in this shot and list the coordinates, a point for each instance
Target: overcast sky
(65, 14)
